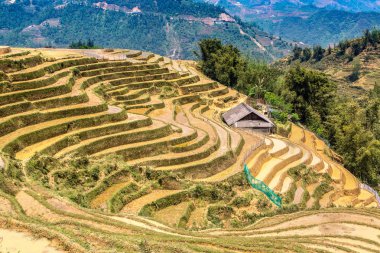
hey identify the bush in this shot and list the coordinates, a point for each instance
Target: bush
(14, 170)
(216, 214)
(280, 116)
(263, 204)
(296, 172)
(40, 165)
(242, 201)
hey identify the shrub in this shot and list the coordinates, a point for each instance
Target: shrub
(296, 172)
(40, 165)
(242, 201)
(263, 204)
(3, 76)
(216, 214)
(14, 170)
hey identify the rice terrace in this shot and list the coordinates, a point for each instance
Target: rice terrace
(127, 151)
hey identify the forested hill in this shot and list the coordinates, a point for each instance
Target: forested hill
(353, 63)
(325, 26)
(309, 21)
(167, 27)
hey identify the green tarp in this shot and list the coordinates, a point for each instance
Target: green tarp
(261, 186)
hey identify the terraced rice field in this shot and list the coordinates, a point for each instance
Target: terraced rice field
(131, 145)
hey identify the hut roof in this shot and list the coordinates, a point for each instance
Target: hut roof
(240, 111)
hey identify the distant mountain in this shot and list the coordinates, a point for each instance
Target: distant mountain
(348, 5)
(166, 27)
(324, 27)
(310, 21)
(277, 9)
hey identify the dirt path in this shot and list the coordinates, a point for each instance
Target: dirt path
(272, 166)
(34, 208)
(242, 32)
(18, 242)
(330, 229)
(251, 141)
(147, 226)
(323, 218)
(278, 179)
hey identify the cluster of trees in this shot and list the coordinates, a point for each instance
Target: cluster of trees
(355, 47)
(345, 48)
(83, 45)
(305, 54)
(309, 97)
(227, 65)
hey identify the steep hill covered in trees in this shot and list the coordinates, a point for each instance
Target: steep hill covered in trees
(167, 27)
(311, 22)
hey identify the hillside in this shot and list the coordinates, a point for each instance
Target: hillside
(360, 56)
(99, 146)
(262, 9)
(171, 28)
(324, 27)
(309, 22)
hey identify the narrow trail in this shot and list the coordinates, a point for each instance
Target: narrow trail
(242, 32)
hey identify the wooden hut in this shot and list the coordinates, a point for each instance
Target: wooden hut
(245, 117)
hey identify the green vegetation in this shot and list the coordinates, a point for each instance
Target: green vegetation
(310, 97)
(323, 26)
(345, 49)
(83, 45)
(163, 28)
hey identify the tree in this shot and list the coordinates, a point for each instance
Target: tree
(83, 45)
(369, 162)
(221, 62)
(90, 43)
(357, 47)
(367, 38)
(257, 78)
(306, 54)
(297, 52)
(311, 88)
(318, 53)
(208, 48)
(343, 45)
(355, 71)
(329, 50)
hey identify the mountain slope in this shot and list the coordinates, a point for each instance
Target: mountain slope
(325, 27)
(171, 28)
(280, 8)
(353, 64)
(309, 21)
